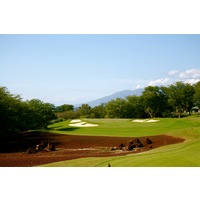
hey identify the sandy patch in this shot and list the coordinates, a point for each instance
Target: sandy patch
(75, 121)
(79, 123)
(139, 120)
(152, 120)
(145, 120)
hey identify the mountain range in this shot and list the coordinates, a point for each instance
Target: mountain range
(122, 94)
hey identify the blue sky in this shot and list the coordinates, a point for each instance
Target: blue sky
(78, 68)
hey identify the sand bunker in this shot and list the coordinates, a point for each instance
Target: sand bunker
(145, 120)
(152, 120)
(75, 121)
(79, 123)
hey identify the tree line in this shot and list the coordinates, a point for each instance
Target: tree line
(156, 101)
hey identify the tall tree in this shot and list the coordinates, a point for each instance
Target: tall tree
(135, 106)
(189, 92)
(84, 110)
(154, 99)
(15, 115)
(197, 94)
(9, 110)
(42, 113)
(181, 97)
(98, 111)
(116, 108)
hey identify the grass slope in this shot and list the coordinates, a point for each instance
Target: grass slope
(177, 155)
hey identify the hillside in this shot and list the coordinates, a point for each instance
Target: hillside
(121, 94)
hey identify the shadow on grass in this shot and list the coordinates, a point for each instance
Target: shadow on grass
(22, 141)
(63, 129)
(54, 127)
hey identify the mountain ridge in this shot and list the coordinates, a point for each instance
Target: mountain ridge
(121, 94)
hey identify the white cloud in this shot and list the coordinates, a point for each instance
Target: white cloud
(139, 86)
(190, 74)
(162, 81)
(173, 72)
(192, 81)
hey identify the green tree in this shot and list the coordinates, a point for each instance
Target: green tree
(17, 115)
(117, 108)
(68, 115)
(181, 97)
(84, 111)
(176, 93)
(155, 100)
(9, 110)
(98, 111)
(42, 113)
(189, 92)
(64, 107)
(14, 113)
(197, 94)
(135, 107)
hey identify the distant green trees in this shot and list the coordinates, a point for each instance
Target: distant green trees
(98, 111)
(66, 111)
(174, 100)
(155, 101)
(84, 110)
(64, 108)
(116, 108)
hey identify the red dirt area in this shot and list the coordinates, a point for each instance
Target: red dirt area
(13, 151)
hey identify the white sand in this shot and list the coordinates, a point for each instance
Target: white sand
(75, 121)
(139, 120)
(145, 120)
(151, 120)
(79, 123)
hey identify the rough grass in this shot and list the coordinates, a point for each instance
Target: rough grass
(185, 154)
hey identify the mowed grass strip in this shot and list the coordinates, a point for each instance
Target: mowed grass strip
(126, 128)
(184, 154)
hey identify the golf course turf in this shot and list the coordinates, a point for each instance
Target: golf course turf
(176, 142)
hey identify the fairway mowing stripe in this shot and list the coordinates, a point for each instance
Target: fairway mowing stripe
(118, 157)
(108, 161)
(139, 154)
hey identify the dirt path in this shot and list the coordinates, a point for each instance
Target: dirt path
(68, 147)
